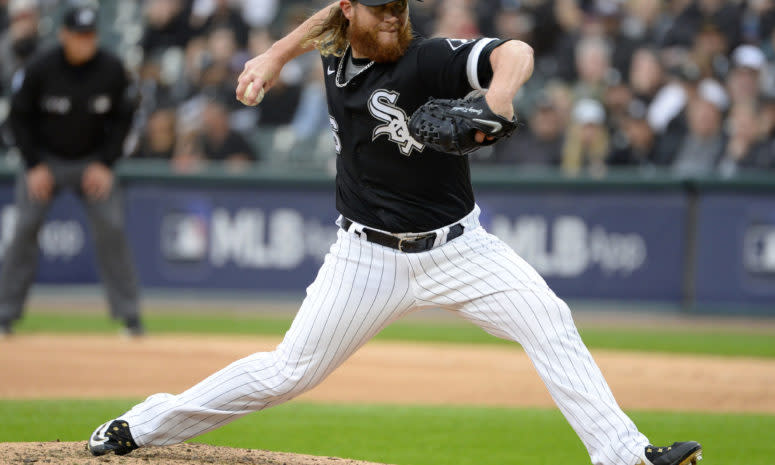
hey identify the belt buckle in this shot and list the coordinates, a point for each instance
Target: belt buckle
(413, 240)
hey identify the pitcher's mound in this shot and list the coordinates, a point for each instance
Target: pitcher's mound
(180, 454)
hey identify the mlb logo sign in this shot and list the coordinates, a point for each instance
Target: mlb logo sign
(184, 237)
(759, 249)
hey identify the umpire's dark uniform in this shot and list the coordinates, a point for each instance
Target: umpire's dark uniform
(68, 117)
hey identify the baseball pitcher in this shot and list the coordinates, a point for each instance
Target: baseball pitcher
(404, 113)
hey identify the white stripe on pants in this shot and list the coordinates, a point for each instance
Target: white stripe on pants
(363, 287)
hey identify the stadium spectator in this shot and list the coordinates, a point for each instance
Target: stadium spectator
(747, 147)
(165, 25)
(544, 34)
(593, 64)
(218, 68)
(220, 142)
(704, 15)
(704, 143)
(667, 112)
(757, 21)
(17, 44)
(561, 97)
(208, 15)
(311, 116)
(279, 106)
(709, 51)
(587, 141)
(3, 15)
(456, 19)
(765, 116)
(159, 138)
(195, 60)
(423, 17)
(646, 75)
(70, 115)
(213, 140)
(743, 83)
(603, 19)
(259, 13)
(567, 18)
(638, 145)
(645, 22)
(617, 95)
(20, 41)
(514, 23)
(539, 145)
(661, 51)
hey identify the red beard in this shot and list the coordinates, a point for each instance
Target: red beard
(367, 42)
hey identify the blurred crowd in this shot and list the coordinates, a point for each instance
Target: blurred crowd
(683, 85)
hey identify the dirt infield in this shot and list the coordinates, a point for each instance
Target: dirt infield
(182, 454)
(442, 374)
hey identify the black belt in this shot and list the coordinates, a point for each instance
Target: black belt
(410, 245)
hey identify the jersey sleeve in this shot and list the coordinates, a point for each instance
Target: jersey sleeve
(451, 68)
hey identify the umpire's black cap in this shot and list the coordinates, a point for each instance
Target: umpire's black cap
(80, 16)
(377, 2)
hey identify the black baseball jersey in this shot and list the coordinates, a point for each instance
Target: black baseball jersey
(385, 178)
(69, 111)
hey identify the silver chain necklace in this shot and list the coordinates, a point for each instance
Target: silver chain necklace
(340, 68)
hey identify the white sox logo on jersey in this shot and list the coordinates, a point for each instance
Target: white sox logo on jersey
(382, 106)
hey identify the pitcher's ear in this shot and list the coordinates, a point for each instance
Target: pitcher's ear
(347, 8)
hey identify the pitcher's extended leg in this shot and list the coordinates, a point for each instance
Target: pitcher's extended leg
(497, 290)
(542, 323)
(358, 291)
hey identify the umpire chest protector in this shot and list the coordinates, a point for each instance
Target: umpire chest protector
(385, 178)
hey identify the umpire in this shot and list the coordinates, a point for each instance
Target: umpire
(70, 113)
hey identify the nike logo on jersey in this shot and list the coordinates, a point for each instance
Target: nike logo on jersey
(496, 126)
(330, 70)
(382, 106)
(457, 43)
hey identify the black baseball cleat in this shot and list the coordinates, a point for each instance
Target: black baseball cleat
(113, 436)
(680, 453)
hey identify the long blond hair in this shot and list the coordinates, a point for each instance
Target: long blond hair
(330, 36)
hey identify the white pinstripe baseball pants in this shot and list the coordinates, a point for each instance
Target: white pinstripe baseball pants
(360, 289)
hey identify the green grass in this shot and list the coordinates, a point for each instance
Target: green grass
(707, 342)
(412, 435)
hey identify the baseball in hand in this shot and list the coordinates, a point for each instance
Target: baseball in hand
(259, 97)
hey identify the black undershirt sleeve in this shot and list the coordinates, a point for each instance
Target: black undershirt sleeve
(484, 67)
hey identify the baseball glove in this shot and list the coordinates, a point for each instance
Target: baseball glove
(449, 126)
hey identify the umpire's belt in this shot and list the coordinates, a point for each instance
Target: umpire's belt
(409, 245)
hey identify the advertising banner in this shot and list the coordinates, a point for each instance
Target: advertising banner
(596, 245)
(735, 250)
(586, 245)
(229, 238)
(591, 245)
(66, 249)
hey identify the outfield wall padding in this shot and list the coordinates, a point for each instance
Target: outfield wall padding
(700, 243)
